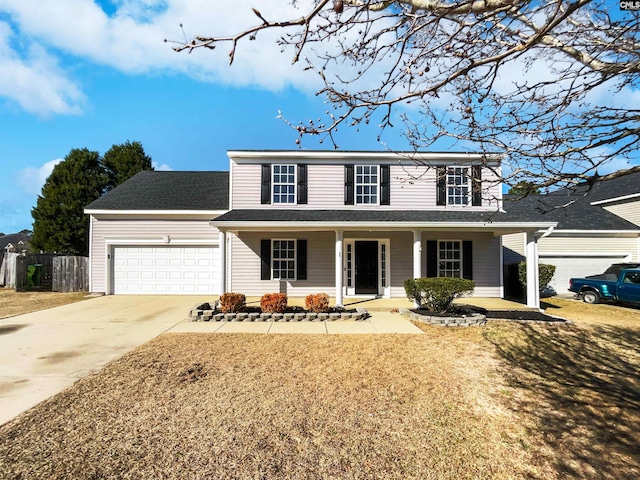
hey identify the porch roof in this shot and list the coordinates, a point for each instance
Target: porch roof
(259, 219)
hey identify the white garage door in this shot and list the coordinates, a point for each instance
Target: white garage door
(175, 270)
(576, 267)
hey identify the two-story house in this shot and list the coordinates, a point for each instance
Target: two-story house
(348, 224)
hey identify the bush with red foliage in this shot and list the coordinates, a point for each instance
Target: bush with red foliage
(273, 302)
(317, 303)
(232, 302)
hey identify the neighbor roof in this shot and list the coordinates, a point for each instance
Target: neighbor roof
(13, 239)
(572, 212)
(151, 190)
(616, 188)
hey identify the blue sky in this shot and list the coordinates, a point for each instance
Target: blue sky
(86, 73)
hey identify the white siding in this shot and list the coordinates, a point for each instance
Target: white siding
(140, 230)
(577, 245)
(589, 245)
(245, 270)
(412, 188)
(630, 211)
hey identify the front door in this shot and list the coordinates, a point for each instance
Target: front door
(366, 267)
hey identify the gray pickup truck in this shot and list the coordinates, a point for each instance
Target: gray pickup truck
(625, 288)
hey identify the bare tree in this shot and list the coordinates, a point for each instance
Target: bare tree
(549, 83)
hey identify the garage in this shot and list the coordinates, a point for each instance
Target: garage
(174, 270)
(568, 267)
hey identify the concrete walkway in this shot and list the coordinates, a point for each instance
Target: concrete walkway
(44, 352)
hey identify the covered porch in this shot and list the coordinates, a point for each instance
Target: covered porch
(367, 256)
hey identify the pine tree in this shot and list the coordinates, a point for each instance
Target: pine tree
(124, 161)
(59, 222)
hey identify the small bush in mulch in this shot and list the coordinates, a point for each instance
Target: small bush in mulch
(273, 303)
(232, 302)
(317, 303)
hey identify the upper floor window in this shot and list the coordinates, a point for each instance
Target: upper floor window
(284, 184)
(458, 186)
(367, 184)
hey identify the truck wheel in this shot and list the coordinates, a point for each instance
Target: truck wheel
(591, 297)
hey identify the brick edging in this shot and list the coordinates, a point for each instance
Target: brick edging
(198, 314)
(473, 320)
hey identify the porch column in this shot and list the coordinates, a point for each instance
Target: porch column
(417, 254)
(222, 242)
(339, 238)
(533, 287)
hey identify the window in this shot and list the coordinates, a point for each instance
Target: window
(449, 259)
(284, 184)
(458, 186)
(283, 259)
(366, 184)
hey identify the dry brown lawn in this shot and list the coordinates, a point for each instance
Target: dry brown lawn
(16, 303)
(503, 401)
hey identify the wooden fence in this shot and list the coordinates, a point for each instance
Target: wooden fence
(70, 274)
(50, 272)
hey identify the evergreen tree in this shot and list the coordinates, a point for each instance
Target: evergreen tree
(124, 161)
(59, 222)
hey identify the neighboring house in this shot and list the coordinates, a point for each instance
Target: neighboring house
(596, 227)
(300, 222)
(14, 242)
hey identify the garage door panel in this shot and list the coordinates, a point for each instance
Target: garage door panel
(170, 270)
(576, 267)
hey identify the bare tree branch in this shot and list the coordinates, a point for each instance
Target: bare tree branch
(543, 82)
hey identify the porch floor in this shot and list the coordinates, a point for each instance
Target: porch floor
(378, 304)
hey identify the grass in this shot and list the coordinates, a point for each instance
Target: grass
(503, 401)
(17, 303)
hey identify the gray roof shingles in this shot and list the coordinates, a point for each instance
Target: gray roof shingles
(152, 190)
(579, 215)
(275, 215)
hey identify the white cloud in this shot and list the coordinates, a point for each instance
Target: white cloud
(162, 167)
(34, 80)
(31, 179)
(132, 39)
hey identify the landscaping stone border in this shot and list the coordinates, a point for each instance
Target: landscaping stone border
(205, 312)
(473, 320)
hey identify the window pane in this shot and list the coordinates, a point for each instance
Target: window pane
(284, 184)
(366, 184)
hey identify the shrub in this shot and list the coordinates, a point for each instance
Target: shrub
(317, 303)
(232, 302)
(545, 274)
(273, 302)
(437, 294)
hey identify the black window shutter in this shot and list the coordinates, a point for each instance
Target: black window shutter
(432, 258)
(265, 259)
(441, 185)
(348, 184)
(302, 184)
(476, 185)
(385, 185)
(301, 260)
(467, 259)
(265, 187)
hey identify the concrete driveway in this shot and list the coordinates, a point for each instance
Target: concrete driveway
(42, 353)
